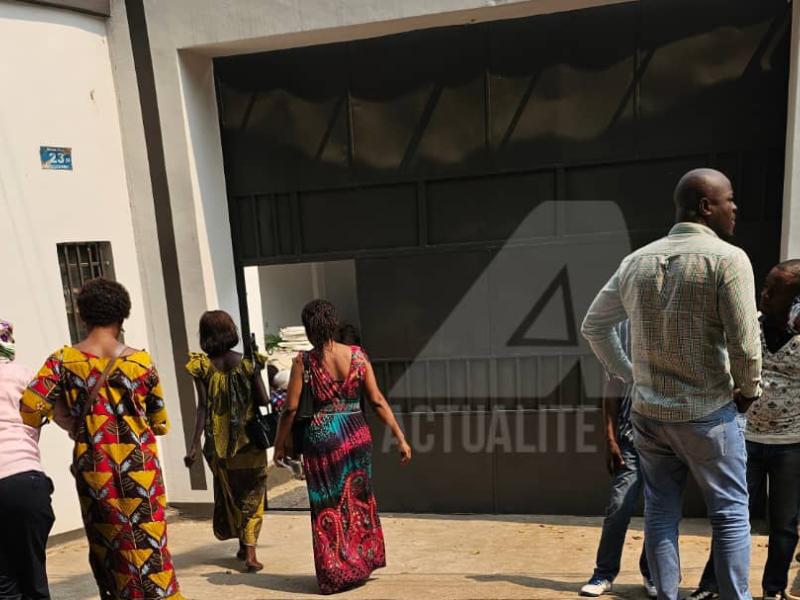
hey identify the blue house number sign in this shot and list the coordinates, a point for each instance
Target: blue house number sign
(59, 159)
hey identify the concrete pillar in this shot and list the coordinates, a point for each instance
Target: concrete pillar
(790, 236)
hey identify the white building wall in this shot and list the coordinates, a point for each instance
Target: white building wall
(58, 90)
(285, 289)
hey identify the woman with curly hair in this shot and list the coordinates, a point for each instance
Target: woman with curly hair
(337, 452)
(225, 382)
(108, 397)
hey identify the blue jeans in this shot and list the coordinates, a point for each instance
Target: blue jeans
(713, 449)
(626, 486)
(780, 463)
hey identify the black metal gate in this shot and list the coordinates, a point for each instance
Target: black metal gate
(486, 180)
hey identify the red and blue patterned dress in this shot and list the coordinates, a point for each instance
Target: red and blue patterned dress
(116, 467)
(337, 456)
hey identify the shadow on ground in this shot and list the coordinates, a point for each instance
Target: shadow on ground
(627, 591)
(293, 584)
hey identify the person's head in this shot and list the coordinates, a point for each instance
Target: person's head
(103, 303)
(781, 287)
(321, 322)
(218, 332)
(7, 347)
(705, 196)
(349, 335)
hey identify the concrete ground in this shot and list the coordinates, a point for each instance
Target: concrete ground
(431, 557)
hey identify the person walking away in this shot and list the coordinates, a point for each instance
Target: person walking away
(337, 452)
(25, 491)
(226, 382)
(773, 433)
(622, 462)
(108, 397)
(278, 386)
(690, 298)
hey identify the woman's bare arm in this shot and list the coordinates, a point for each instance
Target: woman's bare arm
(199, 423)
(384, 412)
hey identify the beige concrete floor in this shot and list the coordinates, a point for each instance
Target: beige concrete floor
(429, 557)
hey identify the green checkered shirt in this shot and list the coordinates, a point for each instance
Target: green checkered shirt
(690, 298)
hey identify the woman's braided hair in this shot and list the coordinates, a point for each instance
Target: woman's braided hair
(321, 322)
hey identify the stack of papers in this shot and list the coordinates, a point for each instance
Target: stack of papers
(294, 339)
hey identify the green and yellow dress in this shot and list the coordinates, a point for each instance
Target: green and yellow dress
(239, 467)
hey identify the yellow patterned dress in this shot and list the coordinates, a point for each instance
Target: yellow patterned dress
(239, 467)
(116, 467)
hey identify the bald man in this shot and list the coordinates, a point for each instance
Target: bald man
(690, 298)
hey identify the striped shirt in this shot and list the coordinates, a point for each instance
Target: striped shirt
(690, 298)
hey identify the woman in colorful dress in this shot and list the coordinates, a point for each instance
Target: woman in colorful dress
(337, 453)
(115, 459)
(225, 382)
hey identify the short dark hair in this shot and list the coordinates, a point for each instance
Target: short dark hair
(102, 302)
(321, 322)
(218, 332)
(792, 267)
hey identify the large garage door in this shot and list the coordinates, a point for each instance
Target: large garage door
(484, 181)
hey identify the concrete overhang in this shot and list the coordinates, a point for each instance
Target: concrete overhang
(100, 8)
(354, 26)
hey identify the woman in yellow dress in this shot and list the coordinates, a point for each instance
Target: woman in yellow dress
(226, 382)
(115, 460)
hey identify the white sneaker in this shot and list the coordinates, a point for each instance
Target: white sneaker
(597, 586)
(701, 594)
(649, 587)
(295, 466)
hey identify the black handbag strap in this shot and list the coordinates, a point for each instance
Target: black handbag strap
(254, 399)
(306, 408)
(306, 368)
(250, 354)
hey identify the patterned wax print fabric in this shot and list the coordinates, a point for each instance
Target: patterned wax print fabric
(775, 417)
(116, 467)
(239, 467)
(7, 348)
(337, 457)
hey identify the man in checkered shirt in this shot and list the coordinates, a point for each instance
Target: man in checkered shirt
(696, 360)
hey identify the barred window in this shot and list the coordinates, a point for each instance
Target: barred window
(79, 262)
